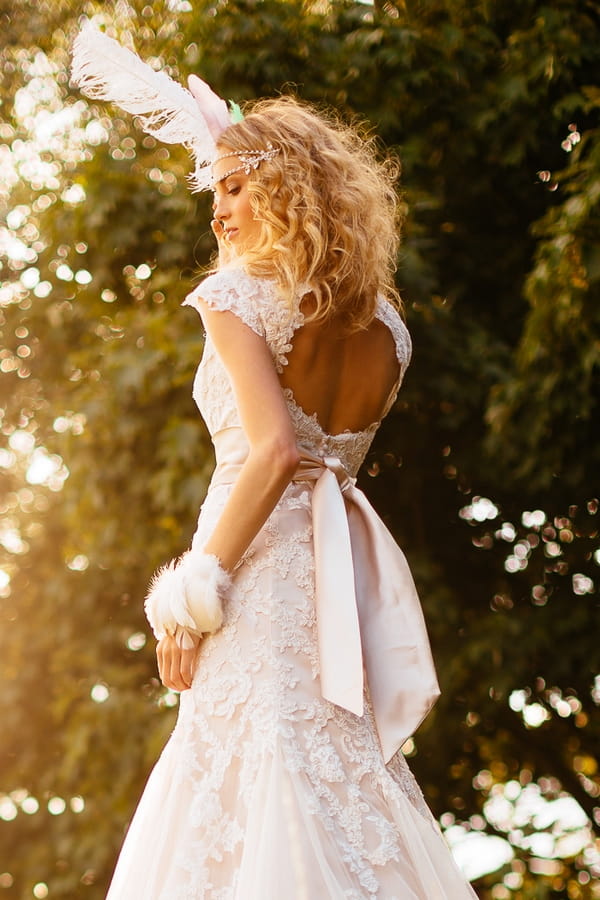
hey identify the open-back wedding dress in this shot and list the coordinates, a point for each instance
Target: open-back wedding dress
(283, 779)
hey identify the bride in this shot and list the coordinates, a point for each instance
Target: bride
(291, 626)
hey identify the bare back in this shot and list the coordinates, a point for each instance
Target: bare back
(346, 380)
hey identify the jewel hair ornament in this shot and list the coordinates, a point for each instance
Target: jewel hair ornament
(104, 70)
(249, 160)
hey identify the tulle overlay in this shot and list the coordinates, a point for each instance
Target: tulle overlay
(265, 790)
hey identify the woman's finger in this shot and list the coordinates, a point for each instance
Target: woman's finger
(217, 228)
(175, 665)
(188, 664)
(225, 251)
(167, 653)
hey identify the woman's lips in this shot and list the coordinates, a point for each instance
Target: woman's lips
(230, 232)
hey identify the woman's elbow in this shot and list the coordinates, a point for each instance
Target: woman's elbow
(290, 458)
(286, 456)
(280, 456)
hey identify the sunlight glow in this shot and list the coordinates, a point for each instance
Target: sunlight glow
(64, 272)
(582, 584)
(73, 422)
(479, 510)
(507, 532)
(82, 276)
(143, 271)
(78, 563)
(47, 469)
(477, 854)
(547, 826)
(22, 441)
(77, 804)
(533, 519)
(7, 458)
(43, 289)
(56, 806)
(10, 538)
(30, 805)
(73, 194)
(99, 693)
(168, 699)
(30, 278)
(8, 810)
(136, 641)
(535, 715)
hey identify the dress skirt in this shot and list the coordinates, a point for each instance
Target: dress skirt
(266, 791)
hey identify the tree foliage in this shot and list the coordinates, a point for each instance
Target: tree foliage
(486, 470)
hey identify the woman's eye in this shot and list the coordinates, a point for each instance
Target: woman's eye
(234, 190)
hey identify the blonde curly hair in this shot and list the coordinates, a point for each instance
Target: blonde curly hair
(327, 207)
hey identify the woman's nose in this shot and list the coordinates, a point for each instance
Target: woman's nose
(219, 208)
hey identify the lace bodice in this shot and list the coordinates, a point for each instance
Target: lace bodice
(256, 303)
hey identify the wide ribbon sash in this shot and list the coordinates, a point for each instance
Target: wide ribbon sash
(367, 608)
(363, 582)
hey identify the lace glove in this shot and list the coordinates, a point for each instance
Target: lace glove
(185, 596)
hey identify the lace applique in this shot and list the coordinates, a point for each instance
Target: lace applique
(232, 290)
(255, 703)
(390, 316)
(350, 447)
(256, 302)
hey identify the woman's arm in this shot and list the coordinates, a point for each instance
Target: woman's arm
(273, 452)
(271, 462)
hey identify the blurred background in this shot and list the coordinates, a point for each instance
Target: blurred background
(488, 470)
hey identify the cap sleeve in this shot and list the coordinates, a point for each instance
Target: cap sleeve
(387, 314)
(231, 290)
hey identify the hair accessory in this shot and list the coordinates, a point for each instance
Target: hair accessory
(235, 112)
(104, 70)
(249, 160)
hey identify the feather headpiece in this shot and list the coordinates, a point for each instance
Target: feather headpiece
(104, 70)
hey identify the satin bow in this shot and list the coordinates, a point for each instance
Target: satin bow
(367, 608)
(369, 618)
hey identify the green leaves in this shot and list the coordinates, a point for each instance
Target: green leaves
(487, 470)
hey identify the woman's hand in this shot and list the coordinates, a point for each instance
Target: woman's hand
(176, 665)
(226, 251)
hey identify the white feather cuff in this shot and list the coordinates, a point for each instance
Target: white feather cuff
(187, 594)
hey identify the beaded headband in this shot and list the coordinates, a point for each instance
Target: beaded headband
(196, 118)
(249, 160)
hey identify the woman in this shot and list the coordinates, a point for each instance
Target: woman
(292, 627)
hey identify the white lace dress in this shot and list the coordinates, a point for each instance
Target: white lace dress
(266, 790)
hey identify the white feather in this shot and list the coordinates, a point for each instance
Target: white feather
(104, 70)
(187, 594)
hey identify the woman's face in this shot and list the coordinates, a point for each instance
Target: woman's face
(231, 205)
